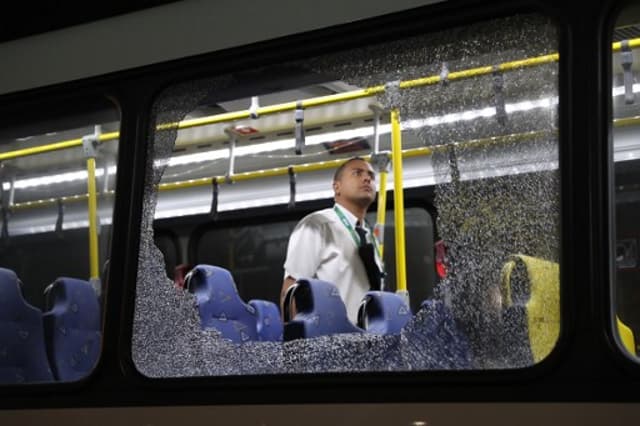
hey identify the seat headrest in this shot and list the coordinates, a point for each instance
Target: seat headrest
(383, 313)
(320, 310)
(10, 291)
(74, 295)
(532, 285)
(219, 304)
(215, 286)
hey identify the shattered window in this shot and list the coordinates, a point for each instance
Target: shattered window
(463, 121)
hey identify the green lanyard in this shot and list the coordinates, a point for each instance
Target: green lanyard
(353, 233)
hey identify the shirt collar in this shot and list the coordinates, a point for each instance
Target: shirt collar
(350, 216)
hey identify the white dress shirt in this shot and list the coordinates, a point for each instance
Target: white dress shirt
(322, 247)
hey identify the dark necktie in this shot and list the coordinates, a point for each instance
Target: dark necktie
(366, 253)
(361, 233)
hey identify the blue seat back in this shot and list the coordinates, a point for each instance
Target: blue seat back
(383, 313)
(320, 311)
(23, 357)
(268, 322)
(72, 328)
(219, 304)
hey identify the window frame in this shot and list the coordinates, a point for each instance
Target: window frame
(304, 45)
(585, 335)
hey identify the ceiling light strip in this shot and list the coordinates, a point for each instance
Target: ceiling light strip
(331, 164)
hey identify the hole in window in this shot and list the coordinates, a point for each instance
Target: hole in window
(57, 180)
(626, 165)
(255, 254)
(332, 271)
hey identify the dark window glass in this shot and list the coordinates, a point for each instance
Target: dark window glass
(57, 186)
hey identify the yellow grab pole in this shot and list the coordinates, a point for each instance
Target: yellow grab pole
(398, 204)
(93, 223)
(382, 212)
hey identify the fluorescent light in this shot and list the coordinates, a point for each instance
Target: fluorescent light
(272, 146)
(55, 179)
(479, 113)
(529, 105)
(194, 158)
(617, 91)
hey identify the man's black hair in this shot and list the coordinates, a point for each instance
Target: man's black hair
(338, 174)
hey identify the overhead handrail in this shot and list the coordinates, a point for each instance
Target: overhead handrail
(255, 111)
(307, 103)
(46, 202)
(57, 146)
(633, 43)
(219, 118)
(299, 168)
(362, 93)
(627, 121)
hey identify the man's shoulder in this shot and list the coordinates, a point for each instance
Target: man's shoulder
(318, 218)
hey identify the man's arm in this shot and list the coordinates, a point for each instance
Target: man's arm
(288, 282)
(303, 257)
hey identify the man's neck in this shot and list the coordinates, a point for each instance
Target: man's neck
(355, 209)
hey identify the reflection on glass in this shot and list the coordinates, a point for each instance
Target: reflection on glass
(480, 149)
(56, 209)
(626, 156)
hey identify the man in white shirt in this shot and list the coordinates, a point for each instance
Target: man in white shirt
(327, 244)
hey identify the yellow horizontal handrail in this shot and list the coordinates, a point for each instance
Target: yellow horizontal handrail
(71, 143)
(257, 174)
(357, 94)
(52, 201)
(298, 168)
(322, 100)
(627, 121)
(633, 44)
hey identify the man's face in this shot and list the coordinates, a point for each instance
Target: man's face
(357, 183)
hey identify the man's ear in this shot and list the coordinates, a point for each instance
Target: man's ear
(336, 187)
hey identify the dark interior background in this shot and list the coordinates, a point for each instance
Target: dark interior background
(25, 19)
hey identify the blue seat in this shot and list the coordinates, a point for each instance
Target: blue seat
(221, 308)
(268, 323)
(320, 311)
(383, 313)
(72, 328)
(23, 357)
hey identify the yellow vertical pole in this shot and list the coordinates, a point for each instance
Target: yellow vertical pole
(93, 222)
(382, 212)
(398, 203)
